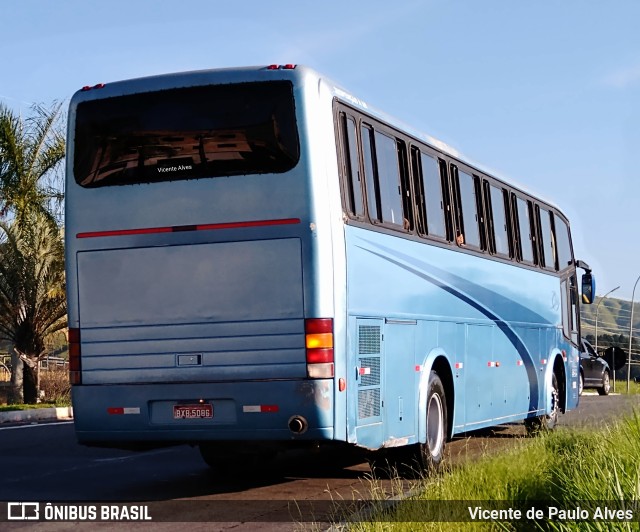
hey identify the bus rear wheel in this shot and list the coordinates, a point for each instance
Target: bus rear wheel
(432, 450)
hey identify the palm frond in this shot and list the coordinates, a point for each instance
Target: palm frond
(31, 151)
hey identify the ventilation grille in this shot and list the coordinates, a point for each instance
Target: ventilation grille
(368, 403)
(373, 378)
(368, 340)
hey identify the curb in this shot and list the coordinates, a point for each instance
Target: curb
(37, 414)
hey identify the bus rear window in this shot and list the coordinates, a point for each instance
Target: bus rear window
(188, 133)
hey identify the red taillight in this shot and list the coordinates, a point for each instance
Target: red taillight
(288, 66)
(319, 345)
(75, 376)
(88, 88)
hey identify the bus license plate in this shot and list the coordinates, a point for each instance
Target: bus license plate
(193, 411)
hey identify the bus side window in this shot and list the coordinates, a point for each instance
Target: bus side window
(389, 179)
(434, 197)
(563, 241)
(355, 204)
(547, 240)
(371, 183)
(405, 179)
(524, 236)
(431, 205)
(468, 220)
(447, 195)
(498, 216)
(418, 192)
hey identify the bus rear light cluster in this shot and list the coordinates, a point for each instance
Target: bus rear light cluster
(281, 67)
(319, 347)
(75, 375)
(89, 88)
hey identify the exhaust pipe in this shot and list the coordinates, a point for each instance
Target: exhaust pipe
(298, 425)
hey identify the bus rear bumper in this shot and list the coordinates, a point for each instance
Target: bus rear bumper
(201, 412)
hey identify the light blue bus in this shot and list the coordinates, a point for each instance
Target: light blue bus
(256, 260)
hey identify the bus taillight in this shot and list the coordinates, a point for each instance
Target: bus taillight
(288, 66)
(75, 376)
(319, 347)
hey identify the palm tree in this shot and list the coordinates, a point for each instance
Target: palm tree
(32, 291)
(31, 151)
(32, 304)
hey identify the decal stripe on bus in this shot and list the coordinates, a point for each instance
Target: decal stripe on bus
(181, 228)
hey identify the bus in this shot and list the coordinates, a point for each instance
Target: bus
(257, 260)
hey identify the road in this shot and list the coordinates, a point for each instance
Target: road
(44, 463)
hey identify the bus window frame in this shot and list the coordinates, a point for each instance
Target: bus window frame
(370, 180)
(488, 184)
(518, 240)
(345, 166)
(420, 201)
(542, 239)
(409, 152)
(567, 227)
(459, 214)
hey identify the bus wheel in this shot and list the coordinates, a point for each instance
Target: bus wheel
(536, 425)
(432, 451)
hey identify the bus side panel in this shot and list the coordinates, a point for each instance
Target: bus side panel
(509, 322)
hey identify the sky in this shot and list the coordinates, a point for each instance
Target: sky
(545, 94)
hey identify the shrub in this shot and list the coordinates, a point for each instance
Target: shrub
(55, 385)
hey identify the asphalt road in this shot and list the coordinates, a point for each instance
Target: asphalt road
(44, 463)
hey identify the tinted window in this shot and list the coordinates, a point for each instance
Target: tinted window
(433, 196)
(389, 179)
(524, 227)
(548, 241)
(565, 255)
(187, 133)
(371, 183)
(500, 229)
(468, 203)
(351, 153)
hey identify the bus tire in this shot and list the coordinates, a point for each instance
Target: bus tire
(431, 452)
(539, 424)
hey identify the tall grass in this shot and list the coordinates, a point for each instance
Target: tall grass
(565, 469)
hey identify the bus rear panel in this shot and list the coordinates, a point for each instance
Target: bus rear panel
(191, 262)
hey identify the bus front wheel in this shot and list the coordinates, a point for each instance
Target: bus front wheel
(536, 425)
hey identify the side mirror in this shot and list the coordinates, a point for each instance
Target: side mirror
(588, 288)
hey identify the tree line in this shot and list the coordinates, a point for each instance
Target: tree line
(32, 282)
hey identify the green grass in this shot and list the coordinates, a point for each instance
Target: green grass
(13, 408)
(565, 469)
(621, 386)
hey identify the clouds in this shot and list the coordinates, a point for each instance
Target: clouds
(624, 78)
